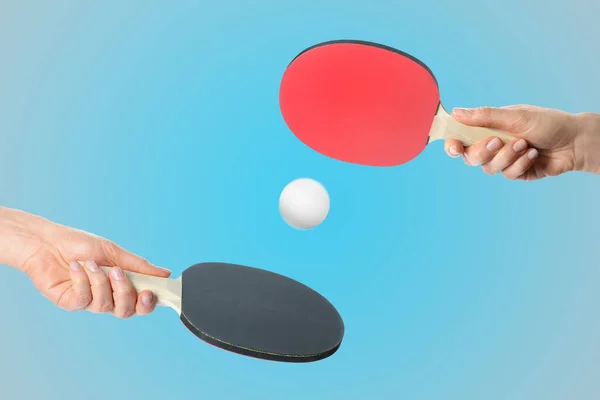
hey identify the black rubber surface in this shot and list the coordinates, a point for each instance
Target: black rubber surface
(258, 313)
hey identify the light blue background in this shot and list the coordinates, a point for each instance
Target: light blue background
(156, 124)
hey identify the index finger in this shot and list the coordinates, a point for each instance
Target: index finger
(128, 261)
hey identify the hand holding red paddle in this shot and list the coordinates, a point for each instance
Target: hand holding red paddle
(561, 141)
(370, 104)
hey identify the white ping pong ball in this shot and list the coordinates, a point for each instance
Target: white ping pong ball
(304, 203)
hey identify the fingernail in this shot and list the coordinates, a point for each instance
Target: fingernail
(147, 299)
(91, 266)
(116, 273)
(461, 112)
(164, 269)
(453, 151)
(494, 144)
(531, 154)
(520, 145)
(75, 266)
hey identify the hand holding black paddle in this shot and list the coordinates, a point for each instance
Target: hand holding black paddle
(249, 311)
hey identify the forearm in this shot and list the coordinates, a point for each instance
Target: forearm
(18, 230)
(587, 145)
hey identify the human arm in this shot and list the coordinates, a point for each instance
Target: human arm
(48, 253)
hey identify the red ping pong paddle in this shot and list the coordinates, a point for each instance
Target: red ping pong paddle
(368, 104)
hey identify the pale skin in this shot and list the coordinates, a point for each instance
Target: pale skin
(49, 254)
(547, 142)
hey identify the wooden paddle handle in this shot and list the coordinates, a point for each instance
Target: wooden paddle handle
(469, 135)
(167, 291)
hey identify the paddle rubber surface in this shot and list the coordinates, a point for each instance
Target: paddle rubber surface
(360, 102)
(259, 313)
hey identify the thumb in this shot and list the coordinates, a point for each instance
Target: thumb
(132, 262)
(507, 119)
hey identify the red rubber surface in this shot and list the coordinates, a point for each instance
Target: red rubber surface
(359, 103)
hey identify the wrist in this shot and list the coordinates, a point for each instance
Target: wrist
(587, 143)
(20, 232)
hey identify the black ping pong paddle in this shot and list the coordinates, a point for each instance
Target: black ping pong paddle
(249, 311)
